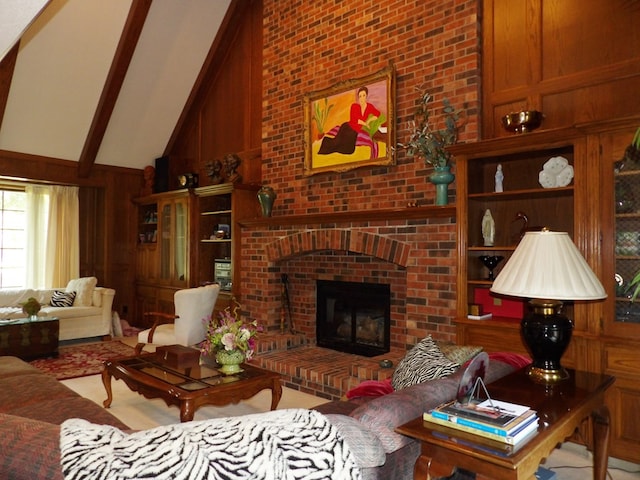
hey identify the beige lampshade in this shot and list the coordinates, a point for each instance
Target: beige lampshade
(548, 265)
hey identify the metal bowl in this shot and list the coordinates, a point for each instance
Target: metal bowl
(521, 122)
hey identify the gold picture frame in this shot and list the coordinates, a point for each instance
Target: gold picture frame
(351, 124)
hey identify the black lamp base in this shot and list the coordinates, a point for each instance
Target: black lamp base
(547, 334)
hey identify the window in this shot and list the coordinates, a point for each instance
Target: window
(12, 238)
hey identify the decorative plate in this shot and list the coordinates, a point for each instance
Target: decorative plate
(556, 172)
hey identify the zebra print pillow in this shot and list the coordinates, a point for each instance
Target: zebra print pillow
(283, 444)
(62, 299)
(423, 362)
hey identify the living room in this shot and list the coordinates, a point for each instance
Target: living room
(254, 105)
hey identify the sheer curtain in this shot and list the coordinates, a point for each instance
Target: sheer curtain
(53, 235)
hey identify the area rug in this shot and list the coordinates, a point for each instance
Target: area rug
(81, 360)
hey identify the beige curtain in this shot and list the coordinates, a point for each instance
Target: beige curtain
(53, 235)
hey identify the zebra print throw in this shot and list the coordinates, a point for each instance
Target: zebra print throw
(283, 444)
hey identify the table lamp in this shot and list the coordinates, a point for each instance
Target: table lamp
(547, 268)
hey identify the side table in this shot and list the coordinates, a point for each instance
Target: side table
(29, 339)
(561, 408)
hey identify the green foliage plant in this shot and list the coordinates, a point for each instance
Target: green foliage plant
(428, 142)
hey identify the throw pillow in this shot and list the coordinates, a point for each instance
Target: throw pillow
(423, 362)
(62, 299)
(84, 290)
(460, 354)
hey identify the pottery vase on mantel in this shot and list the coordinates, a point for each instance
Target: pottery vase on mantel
(230, 361)
(266, 197)
(441, 178)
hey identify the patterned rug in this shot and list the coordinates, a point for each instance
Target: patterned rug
(81, 360)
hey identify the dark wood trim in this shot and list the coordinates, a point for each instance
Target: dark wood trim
(408, 213)
(115, 78)
(7, 65)
(211, 68)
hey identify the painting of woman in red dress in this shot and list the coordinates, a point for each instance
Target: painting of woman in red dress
(349, 125)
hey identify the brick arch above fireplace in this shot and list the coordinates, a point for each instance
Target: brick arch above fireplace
(367, 243)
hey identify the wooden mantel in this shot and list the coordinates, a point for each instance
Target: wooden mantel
(407, 213)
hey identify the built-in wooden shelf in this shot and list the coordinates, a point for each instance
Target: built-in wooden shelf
(407, 213)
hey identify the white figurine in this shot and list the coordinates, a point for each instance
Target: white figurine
(499, 178)
(488, 228)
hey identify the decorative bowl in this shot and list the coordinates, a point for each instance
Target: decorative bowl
(521, 122)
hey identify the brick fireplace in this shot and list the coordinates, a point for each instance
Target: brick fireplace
(411, 250)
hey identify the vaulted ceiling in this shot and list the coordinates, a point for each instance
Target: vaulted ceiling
(98, 81)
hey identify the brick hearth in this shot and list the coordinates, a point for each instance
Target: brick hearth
(319, 371)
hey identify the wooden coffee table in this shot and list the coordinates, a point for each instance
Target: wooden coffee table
(188, 387)
(561, 408)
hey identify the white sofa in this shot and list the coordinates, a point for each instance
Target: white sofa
(90, 315)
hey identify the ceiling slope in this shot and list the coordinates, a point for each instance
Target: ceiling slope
(66, 72)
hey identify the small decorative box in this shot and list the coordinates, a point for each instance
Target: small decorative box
(178, 356)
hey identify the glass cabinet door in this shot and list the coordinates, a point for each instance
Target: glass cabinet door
(165, 242)
(174, 242)
(627, 240)
(180, 248)
(621, 234)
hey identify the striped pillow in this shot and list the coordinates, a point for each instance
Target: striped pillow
(423, 362)
(62, 299)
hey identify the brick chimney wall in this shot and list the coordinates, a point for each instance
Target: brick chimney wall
(310, 46)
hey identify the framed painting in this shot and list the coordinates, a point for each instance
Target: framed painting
(351, 124)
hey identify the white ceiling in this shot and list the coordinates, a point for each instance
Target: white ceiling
(63, 62)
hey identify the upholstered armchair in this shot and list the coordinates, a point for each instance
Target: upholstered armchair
(185, 327)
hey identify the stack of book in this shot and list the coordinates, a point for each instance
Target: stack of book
(504, 422)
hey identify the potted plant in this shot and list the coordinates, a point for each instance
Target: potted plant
(431, 143)
(634, 287)
(231, 339)
(31, 307)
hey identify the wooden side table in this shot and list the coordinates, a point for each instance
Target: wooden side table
(561, 408)
(29, 339)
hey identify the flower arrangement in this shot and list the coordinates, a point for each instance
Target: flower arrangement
(230, 332)
(427, 142)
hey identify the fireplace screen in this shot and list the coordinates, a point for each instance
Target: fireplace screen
(353, 317)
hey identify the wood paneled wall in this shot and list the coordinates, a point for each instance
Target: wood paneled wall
(577, 61)
(224, 112)
(107, 219)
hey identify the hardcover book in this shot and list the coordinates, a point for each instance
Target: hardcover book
(509, 429)
(524, 433)
(493, 412)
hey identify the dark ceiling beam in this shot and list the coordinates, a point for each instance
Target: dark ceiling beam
(7, 65)
(122, 58)
(222, 43)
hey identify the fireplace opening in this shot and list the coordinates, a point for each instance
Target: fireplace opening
(353, 317)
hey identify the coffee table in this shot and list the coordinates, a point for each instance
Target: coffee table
(29, 339)
(188, 387)
(562, 408)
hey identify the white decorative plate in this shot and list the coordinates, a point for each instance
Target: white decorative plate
(556, 172)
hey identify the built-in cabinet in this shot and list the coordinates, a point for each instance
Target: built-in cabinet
(216, 236)
(188, 238)
(163, 251)
(621, 255)
(599, 208)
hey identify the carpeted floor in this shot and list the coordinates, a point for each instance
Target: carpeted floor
(81, 360)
